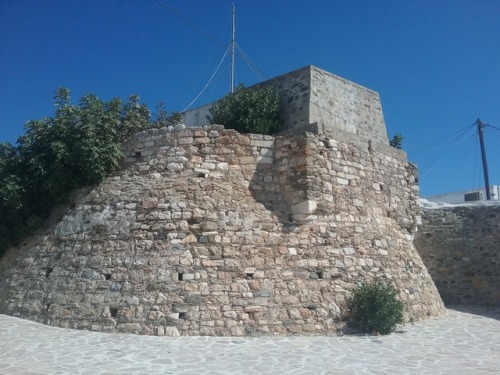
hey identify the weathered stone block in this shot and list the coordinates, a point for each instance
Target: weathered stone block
(194, 299)
(263, 293)
(306, 207)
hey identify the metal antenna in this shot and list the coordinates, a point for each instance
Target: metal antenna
(232, 54)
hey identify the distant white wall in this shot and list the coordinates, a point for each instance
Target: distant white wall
(196, 116)
(459, 197)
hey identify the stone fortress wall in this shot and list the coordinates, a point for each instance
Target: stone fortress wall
(461, 248)
(209, 232)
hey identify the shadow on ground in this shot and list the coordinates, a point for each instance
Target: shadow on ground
(486, 311)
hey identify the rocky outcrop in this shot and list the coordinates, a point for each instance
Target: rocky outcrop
(209, 232)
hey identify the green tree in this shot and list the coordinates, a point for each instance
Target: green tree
(253, 110)
(162, 118)
(79, 146)
(14, 216)
(135, 116)
(397, 141)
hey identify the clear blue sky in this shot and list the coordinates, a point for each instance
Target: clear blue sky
(435, 63)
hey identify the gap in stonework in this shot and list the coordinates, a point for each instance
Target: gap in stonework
(113, 311)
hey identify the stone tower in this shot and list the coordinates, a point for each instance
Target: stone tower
(206, 231)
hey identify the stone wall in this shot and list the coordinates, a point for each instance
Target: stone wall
(341, 104)
(312, 95)
(461, 249)
(295, 93)
(209, 232)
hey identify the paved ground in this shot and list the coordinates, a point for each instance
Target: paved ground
(466, 341)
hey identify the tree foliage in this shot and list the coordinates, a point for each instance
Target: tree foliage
(253, 110)
(397, 141)
(79, 146)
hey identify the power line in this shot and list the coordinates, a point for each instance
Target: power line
(192, 24)
(459, 165)
(208, 83)
(254, 67)
(438, 142)
(453, 141)
(458, 137)
(437, 155)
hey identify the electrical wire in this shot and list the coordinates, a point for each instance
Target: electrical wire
(199, 29)
(458, 137)
(459, 166)
(200, 76)
(206, 34)
(208, 83)
(453, 141)
(437, 156)
(438, 142)
(254, 67)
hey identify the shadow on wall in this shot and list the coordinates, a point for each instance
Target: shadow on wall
(268, 186)
(280, 181)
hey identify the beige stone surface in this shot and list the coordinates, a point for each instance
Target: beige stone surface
(197, 237)
(461, 248)
(464, 342)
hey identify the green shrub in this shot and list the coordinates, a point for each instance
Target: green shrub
(253, 110)
(374, 307)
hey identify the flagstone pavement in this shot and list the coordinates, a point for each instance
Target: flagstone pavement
(465, 341)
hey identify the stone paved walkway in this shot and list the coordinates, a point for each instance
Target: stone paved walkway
(466, 341)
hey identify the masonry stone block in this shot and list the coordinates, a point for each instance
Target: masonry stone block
(306, 207)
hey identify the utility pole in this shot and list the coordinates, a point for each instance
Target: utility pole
(232, 54)
(480, 126)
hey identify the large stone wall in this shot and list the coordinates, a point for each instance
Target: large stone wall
(211, 232)
(461, 249)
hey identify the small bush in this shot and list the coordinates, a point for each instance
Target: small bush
(397, 141)
(254, 110)
(374, 307)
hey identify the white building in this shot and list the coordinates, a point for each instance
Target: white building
(472, 195)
